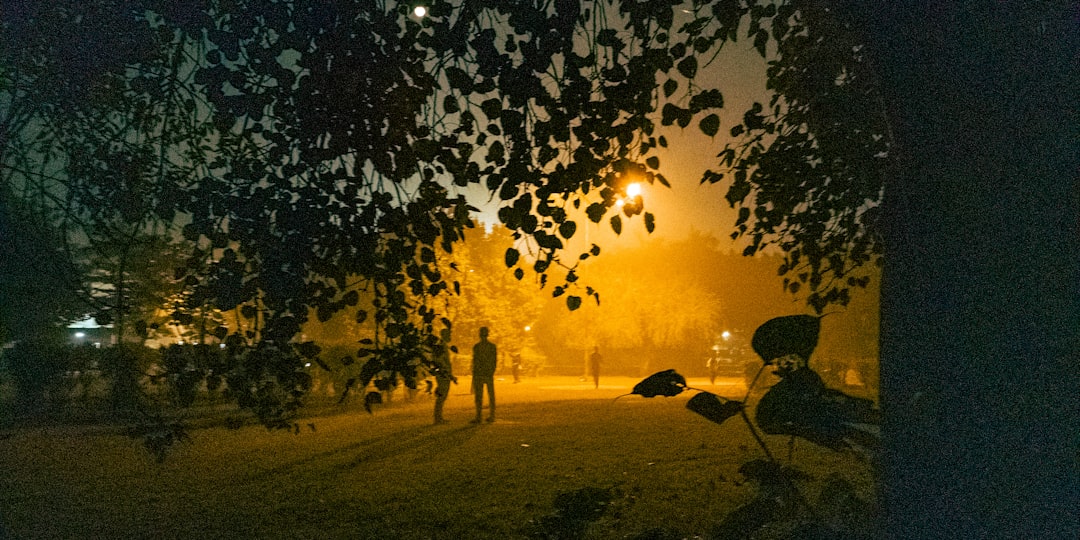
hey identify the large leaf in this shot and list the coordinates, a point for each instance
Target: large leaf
(713, 407)
(801, 405)
(664, 383)
(782, 336)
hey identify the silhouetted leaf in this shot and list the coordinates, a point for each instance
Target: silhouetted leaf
(511, 257)
(710, 125)
(567, 229)
(793, 334)
(669, 87)
(713, 407)
(688, 67)
(459, 79)
(616, 224)
(573, 302)
(351, 298)
(595, 211)
(663, 383)
(760, 40)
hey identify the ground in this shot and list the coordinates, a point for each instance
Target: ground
(393, 474)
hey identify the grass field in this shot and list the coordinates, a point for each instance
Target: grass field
(395, 475)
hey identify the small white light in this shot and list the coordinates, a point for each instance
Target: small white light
(307, 364)
(80, 334)
(419, 11)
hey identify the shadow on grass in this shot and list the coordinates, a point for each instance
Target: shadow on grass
(419, 440)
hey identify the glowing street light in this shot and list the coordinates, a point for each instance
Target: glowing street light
(419, 11)
(633, 190)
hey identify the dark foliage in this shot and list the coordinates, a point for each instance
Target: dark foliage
(790, 335)
(187, 367)
(800, 405)
(33, 367)
(159, 436)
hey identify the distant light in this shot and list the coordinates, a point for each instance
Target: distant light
(726, 335)
(620, 203)
(420, 11)
(633, 190)
(80, 334)
(527, 328)
(307, 364)
(221, 346)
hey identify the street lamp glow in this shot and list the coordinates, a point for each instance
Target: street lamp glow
(419, 11)
(633, 190)
(726, 335)
(80, 335)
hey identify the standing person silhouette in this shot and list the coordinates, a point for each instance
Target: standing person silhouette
(485, 357)
(515, 365)
(594, 365)
(444, 375)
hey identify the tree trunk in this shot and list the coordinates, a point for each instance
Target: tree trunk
(980, 300)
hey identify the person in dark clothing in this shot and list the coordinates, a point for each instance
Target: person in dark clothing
(515, 365)
(444, 375)
(485, 357)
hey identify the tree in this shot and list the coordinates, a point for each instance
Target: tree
(979, 297)
(958, 114)
(35, 300)
(489, 294)
(807, 171)
(97, 126)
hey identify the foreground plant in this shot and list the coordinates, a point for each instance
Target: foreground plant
(799, 405)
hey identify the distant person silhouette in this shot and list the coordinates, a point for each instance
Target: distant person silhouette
(713, 363)
(485, 358)
(443, 371)
(515, 365)
(594, 366)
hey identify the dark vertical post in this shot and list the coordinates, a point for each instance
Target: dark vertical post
(981, 289)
